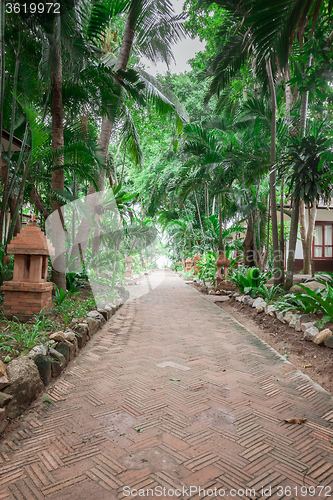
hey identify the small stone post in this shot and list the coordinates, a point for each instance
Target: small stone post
(196, 260)
(128, 264)
(222, 261)
(188, 263)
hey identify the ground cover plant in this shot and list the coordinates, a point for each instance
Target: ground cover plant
(17, 338)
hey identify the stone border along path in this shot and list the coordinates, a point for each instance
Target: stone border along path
(220, 425)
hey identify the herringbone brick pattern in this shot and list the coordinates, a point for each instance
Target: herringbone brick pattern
(118, 418)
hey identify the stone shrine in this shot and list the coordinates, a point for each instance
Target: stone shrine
(29, 292)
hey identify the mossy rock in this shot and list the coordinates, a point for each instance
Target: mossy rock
(64, 350)
(44, 367)
(58, 362)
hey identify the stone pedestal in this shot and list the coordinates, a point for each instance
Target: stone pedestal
(188, 263)
(222, 278)
(128, 264)
(29, 292)
(196, 260)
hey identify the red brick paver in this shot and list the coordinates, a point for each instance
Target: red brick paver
(118, 420)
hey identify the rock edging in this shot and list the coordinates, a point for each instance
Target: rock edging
(300, 322)
(23, 378)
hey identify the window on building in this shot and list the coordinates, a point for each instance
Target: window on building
(323, 241)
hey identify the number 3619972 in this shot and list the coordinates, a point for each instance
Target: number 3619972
(32, 8)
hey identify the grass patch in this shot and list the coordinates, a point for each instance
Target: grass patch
(17, 338)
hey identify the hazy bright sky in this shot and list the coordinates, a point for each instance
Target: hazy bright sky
(183, 51)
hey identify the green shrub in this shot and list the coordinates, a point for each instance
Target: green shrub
(207, 267)
(269, 294)
(176, 266)
(312, 301)
(188, 274)
(75, 281)
(249, 279)
(323, 277)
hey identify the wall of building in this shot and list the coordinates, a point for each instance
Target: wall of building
(323, 215)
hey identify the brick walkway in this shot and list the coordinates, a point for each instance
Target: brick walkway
(117, 419)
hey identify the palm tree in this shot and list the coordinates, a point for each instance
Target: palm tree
(225, 65)
(151, 27)
(58, 176)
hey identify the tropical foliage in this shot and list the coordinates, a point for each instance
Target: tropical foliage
(201, 160)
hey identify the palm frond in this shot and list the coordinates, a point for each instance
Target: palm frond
(161, 96)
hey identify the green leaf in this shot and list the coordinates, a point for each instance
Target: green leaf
(175, 379)
(47, 400)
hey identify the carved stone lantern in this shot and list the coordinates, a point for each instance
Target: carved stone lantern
(222, 261)
(188, 264)
(128, 264)
(29, 292)
(196, 260)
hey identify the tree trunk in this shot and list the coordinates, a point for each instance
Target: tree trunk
(58, 232)
(221, 249)
(272, 180)
(126, 45)
(307, 234)
(12, 202)
(304, 112)
(11, 199)
(282, 230)
(267, 240)
(248, 245)
(196, 202)
(292, 244)
(287, 91)
(39, 203)
(296, 202)
(207, 196)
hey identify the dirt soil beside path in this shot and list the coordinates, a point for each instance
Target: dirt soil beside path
(286, 340)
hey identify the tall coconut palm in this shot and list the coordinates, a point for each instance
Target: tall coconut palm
(224, 65)
(271, 29)
(58, 176)
(277, 25)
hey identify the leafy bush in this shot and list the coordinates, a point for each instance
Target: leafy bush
(249, 279)
(323, 277)
(269, 294)
(176, 267)
(75, 281)
(289, 303)
(207, 267)
(312, 301)
(188, 274)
